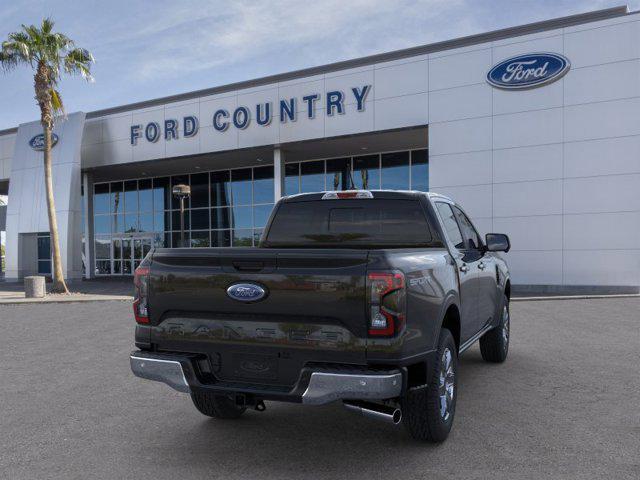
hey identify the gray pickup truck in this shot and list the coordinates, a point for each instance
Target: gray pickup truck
(364, 297)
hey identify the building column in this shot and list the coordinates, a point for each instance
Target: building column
(87, 205)
(278, 174)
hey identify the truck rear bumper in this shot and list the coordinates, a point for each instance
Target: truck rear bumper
(316, 386)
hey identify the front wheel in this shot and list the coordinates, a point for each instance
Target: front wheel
(494, 345)
(216, 406)
(427, 413)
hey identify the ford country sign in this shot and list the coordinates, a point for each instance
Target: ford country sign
(37, 142)
(528, 71)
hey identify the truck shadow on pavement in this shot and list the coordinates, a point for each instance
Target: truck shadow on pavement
(290, 439)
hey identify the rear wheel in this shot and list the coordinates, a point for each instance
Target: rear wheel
(494, 345)
(427, 413)
(216, 406)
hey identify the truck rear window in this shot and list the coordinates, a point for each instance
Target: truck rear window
(352, 223)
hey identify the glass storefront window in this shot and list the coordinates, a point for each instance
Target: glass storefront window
(117, 190)
(420, 170)
(312, 176)
(161, 194)
(395, 171)
(101, 198)
(292, 178)
(200, 190)
(220, 218)
(261, 215)
(242, 237)
(178, 180)
(241, 186)
(131, 196)
(200, 218)
(145, 195)
(220, 189)
(338, 174)
(227, 207)
(263, 185)
(366, 172)
(221, 238)
(241, 217)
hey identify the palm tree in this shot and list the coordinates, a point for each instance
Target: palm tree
(48, 54)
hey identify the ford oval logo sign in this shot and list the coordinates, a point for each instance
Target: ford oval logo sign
(528, 71)
(37, 142)
(246, 292)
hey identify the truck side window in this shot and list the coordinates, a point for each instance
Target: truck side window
(469, 233)
(451, 225)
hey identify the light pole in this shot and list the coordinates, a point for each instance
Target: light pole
(181, 192)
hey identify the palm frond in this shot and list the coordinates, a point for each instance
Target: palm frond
(78, 62)
(56, 101)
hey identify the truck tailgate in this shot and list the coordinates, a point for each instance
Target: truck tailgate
(314, 309)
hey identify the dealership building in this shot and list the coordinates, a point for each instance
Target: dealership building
(534, 130)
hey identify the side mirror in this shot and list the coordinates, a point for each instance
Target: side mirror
(497, 242)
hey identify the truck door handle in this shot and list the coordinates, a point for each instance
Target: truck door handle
(464, 268)
(481, 266)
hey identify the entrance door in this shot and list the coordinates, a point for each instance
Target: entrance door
(128, 251)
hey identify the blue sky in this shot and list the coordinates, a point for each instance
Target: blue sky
(149, 49)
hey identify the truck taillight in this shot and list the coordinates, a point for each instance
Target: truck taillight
(387, 303)
(140, 302)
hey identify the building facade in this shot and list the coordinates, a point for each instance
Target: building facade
(535, 130)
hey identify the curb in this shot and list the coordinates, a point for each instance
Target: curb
(573, 297)
(32, 301)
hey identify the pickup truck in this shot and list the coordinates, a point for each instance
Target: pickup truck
(364, 297)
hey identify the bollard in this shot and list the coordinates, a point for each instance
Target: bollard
(34, 287)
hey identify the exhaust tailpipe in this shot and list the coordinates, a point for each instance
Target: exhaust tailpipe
(374, 410)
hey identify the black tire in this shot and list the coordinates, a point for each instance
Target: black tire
(421, 408)
(216, 406)
(494, 345)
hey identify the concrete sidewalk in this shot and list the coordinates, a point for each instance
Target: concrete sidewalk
(81, 291)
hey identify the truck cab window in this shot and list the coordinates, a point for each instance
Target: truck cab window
(451, 225)
(471, 237)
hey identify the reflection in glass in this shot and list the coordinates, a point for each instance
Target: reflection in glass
(420, 170)
(177, 180)
(131, 223)
(200, 239)
(131, 196)
(146, 222)
(263, 185)
(257, 233)
(220, 218)
(145, 195)
(395, 171)
(175, 220)
(101, 198)
(339, 174)
(312, 176)
(220, 189)
(242, 238)
(242, 217)
(161, 194)
(102, 247)
(117, 248)
(103, 267)
(221, 238)
(292, 178)
(102, 224)
(366, 172)
(200, 190)
(199, 219)
(117, 223)
(241, 186)
(44, 247)
(116, 197)
(261, 215)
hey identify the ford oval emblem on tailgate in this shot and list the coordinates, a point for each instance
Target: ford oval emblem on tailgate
(246, 292)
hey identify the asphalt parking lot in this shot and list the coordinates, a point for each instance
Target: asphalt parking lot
(564, 405)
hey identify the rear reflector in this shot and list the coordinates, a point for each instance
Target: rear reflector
(347, 194)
